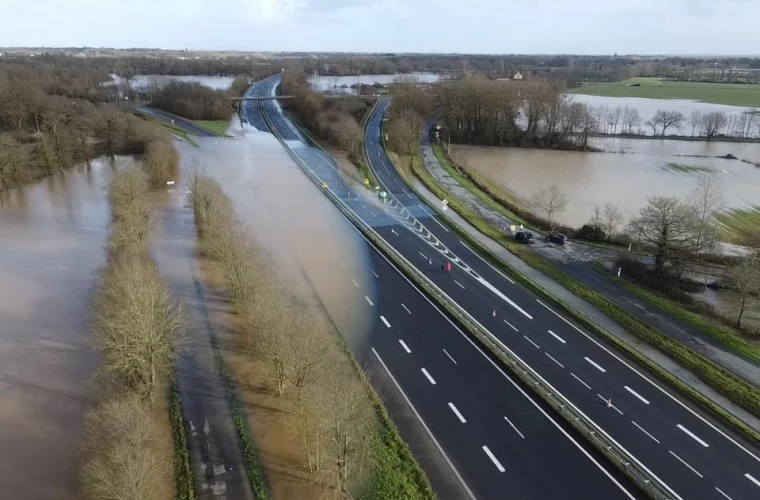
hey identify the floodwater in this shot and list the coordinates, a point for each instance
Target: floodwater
(214, 82)
(624, 179)
(317, 252)
(52, 235)
(343, 84)
(648, 107)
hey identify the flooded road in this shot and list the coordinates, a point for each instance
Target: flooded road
(52, 235)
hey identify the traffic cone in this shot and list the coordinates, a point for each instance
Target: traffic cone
(609, 403)
(494, 313)
(431, 261)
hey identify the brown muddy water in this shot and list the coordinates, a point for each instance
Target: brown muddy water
(52, 235)
(625, 174)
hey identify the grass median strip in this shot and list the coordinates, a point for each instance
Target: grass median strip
(217, 127)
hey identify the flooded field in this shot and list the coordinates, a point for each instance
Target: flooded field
(343, 84)
(647, 167)
(51, 241)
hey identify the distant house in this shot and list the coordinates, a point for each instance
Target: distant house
(518, 76)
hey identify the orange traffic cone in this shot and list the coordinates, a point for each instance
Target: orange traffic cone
(494, 313)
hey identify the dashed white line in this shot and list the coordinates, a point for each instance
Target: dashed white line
(449, 355)
(645, 432)
(757, 483)
(557, 337)
(355, 283)
(423, 255)
(406, 308)
(374, 274)
(511, 325)
(385, 321)
(536, 345)
(493, 459)
(595, 365)
(695, 471)
(488, 263)
(406, 347)
(552, 358)
(460, 285)
(456, 412)
(515, 428)
(369, 300)
(693, 436)
(636, 394)
(723, 493)
(579, 380)
(430, 379)
(372, 213)
(607, 401)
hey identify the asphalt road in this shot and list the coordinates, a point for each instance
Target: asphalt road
(183, 123)
(501, 440)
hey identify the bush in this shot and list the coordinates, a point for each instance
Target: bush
(590, 233)
(668, 284)
(161, 162)
(194, 101)
(131, 219)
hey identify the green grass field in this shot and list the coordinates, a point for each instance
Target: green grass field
(741, 223)
(218, 127)
(656, 88)
(683, 168)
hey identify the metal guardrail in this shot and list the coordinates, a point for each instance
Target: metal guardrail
(621, 458)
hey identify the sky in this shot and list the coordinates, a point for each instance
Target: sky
(720, 27)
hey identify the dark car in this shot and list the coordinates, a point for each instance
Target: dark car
(524, 237)
(557, 238)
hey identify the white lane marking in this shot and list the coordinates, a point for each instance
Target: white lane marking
(557, 337)
(424, 425)
(550, 357)
(757, 483)
(592, 363)
(432, 217)
(374, 274)
(442, 226)
(430, 379)
(723, 493)
(406, 347)
(385, 321)
(636, 394)
(406, 308)
(579, 380)
(693, 436)
(372, 213)
(669, 395)
(607, 401)
(645, 432)
(515, 428)
(355, 283)
(461, 285)
(423, 255)
(488, 263)
(695, 471)
(449, 355)
(493, 459)
(536, 345)
(369, 300)
(509, 379)
(456, 412)
(511, 325)
(502, 296)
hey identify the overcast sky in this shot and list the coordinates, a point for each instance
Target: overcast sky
(474, 26)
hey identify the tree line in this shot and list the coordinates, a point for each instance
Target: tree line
(193, 100)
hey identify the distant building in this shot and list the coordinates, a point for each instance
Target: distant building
(518, 76)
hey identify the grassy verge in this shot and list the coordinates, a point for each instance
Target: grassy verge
(657, 88)
(720, 333)
(218, 127)
(716, 377)
(183, 469)
(177, 130)
(742, 223)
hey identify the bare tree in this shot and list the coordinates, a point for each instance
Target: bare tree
(551, 201)
(707, 199)
(614, 117)
(746, 279)
(631, 118)
(404, 131)
(668, 225)
(161, 162)
(695, 120)
(669, 119)
(713, 122)
(612, 217)
(596, 221)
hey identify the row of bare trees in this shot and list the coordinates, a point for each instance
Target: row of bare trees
(329, 408)
(137, 329)
(193, 100)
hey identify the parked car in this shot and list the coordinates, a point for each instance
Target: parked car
(524, 237)
(557, 238)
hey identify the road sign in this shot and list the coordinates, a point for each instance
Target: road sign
(324, 185)
(366, 182)
(513, 228)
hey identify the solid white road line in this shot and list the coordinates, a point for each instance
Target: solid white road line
(406, 308)
(636, 394)
(369, 300)
(550, 357)
(515, 428)
(511, 325)
(579, 380)
(557, 337)
(424, 425)
(355, 283)
(536, 345)
(430, 379)
(423, 255)
(695, 471)
(493, 459)
(406, 347)
(372, 213)
(658, 387)
(449, 355)
(456, 412)
(484, 260)
(757, 483)
(607, 401)
(460, 285)
(723, 493)
(693, 436)
(374, 274)
(385, 321)
(645, 432)
(592, 363)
